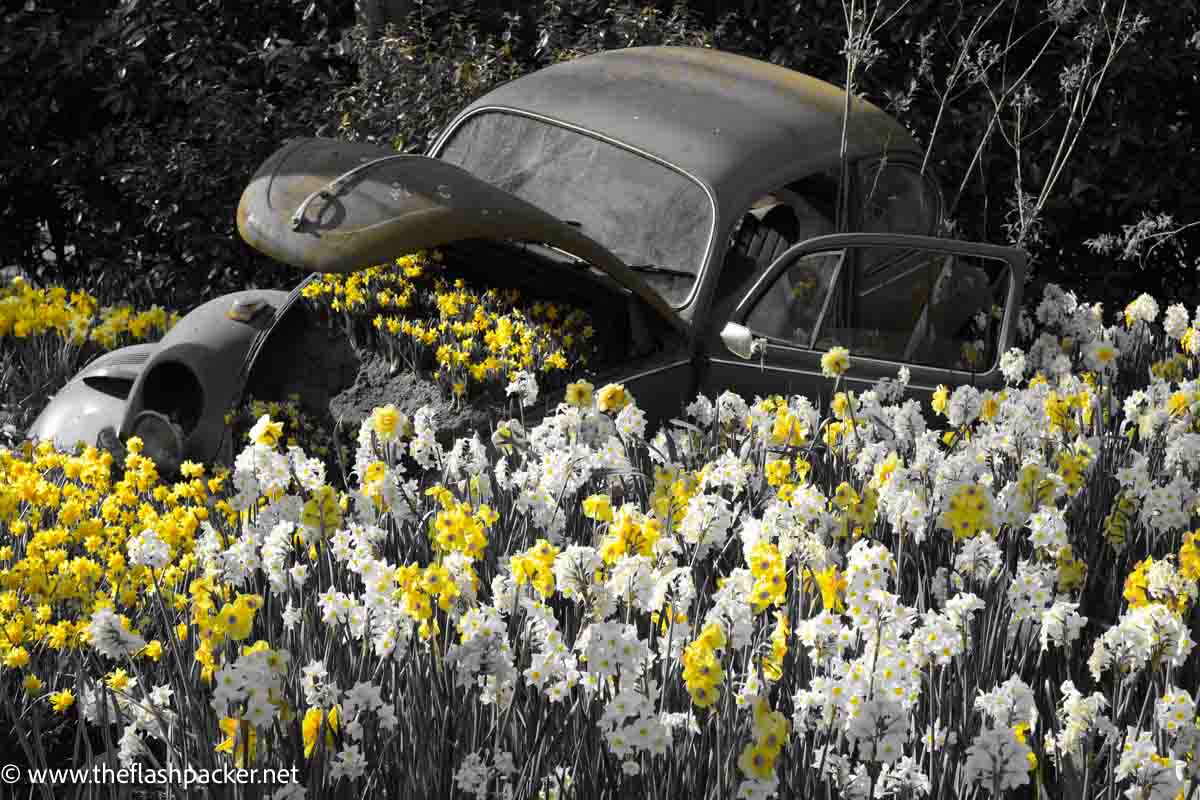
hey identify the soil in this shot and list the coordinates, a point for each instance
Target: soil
(339, 382)
(375, 384)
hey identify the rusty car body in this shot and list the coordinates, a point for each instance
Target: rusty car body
(704, 206)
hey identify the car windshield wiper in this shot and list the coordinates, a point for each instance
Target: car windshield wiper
(654, 269)
(570, 258)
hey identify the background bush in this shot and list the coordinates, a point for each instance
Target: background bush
(131, 127)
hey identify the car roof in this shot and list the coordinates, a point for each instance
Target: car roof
(726, 119)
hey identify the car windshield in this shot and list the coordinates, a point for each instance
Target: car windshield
(653, 218)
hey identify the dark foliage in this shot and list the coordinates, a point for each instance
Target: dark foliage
(131, 126)
(1135, 155)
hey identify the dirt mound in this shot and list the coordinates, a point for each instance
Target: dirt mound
(338, 381)
(375, 384)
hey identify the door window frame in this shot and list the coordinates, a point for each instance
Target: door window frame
(792, 355)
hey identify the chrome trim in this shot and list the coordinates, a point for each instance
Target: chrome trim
(663, 368)
(978, 376)
(705, 260)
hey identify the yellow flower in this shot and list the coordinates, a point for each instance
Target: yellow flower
(63, 700)
(118, 680)
(153, 650)
(835, 362)
(1189, 556)
(841, 405)
(713, 636)
(314, 718)
(777, 471)
(612, 397)
(941, 399)
(322, 511)
(386, 421)
(17, 658)
(756, 761)
(236, 621)
(579, 394)
(241, 740)
(376, 472)
(1137, 583)
(32, 684)
(598, 507)
(990, 407)
(266, 432)
(832, 585)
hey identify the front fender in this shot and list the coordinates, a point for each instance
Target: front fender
(92, 400)
(197, 372)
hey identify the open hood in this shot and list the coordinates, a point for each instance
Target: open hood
(330, 206)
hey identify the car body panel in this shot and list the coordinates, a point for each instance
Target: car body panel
(726, 119)
(738, 126)
(209, 347)
(93, 400)
(328, 206)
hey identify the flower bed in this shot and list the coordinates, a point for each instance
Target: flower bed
(472, 339)
(767, 599)
(47, 334)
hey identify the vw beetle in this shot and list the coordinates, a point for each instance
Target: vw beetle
(698, 204)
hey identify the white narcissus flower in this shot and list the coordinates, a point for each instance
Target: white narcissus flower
(1012, 365)
(1143, 309)
(109, 637)
(1175, 323)
(1061, 625)
(997, 756)
(965, 405)
(148, 550)
(1101, 356)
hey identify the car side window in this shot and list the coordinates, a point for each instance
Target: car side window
(786, 216)
(792, 306)
(894, 198)
(924, 307)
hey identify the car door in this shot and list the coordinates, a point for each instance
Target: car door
(945, 309)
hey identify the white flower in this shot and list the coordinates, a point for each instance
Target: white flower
(1143, 309)
(292, 791)
(631, 422)
(1176, 321)
(1141, 632)
(701, 410)
(147, 550)
(731, 408)
(1061, 625)
(997, 755)
(979, 558)
(1175, 711)
(349, 763)
(1079, 718)
(524, 385)
(965, 405)
(109, 637)
(706, 522)
(1048, 529)
(1008, 704)
(1101, 356)
(1012, 364)
(1153, 776)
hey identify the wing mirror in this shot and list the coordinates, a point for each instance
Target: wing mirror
(741, 342)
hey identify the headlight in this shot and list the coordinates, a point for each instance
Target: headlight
(162, 440)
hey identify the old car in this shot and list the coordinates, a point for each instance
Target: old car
(703, 207)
